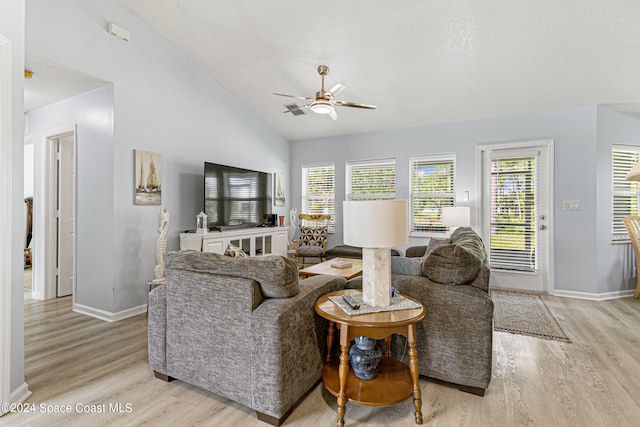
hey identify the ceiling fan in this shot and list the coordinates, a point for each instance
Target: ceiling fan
(324, 101)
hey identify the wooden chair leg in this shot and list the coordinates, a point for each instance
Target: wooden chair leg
(637, 292)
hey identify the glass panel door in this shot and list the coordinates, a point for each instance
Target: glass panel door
(513, 222)
(515, 215)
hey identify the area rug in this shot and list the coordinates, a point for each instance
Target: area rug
(525, 314)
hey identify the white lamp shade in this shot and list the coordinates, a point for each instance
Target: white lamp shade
(456, 216)
(375, 224)
(634, 173)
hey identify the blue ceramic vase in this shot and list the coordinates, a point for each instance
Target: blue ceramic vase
(365, 356)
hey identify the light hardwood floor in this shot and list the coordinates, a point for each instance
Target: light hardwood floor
(72, 359)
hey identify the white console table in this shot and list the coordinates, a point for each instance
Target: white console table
(253, 241)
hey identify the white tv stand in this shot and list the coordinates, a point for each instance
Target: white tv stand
(256, 241)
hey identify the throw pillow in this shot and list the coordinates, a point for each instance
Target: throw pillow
(235, 252)
(434, 243)
(415, 251)
(467, 238)
(451, 265)
(406, 266)
(313, 236)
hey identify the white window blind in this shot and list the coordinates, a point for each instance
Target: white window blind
(432, 188)
(513, 213)
(371, 179)
(624, 193)
(318, 191)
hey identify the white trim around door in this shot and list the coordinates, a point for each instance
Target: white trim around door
(541, 273)
(5, 221)
(45, 283)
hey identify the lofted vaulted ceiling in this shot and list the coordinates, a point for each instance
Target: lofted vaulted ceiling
(420, 61)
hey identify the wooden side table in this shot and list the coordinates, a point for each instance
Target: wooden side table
(395, 382)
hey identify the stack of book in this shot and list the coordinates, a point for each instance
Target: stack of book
(341, 264)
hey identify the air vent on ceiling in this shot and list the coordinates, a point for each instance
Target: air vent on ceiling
(294, 109)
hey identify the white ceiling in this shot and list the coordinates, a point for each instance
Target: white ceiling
(52, 82)
(421, 62)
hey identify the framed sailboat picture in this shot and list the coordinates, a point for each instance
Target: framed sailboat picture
(148, 178)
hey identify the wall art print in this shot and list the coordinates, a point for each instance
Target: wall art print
(278, 190)
(148, 178)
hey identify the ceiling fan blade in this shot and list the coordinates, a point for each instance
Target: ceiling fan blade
(291, 96)
(336, 89)
(354, 104)
(333, 114)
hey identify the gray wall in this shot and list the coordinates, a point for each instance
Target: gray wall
(616, 262)
(12, 27)
(584, 259)
(162, 103)
(92, 113)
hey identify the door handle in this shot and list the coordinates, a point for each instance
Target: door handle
(543, 227)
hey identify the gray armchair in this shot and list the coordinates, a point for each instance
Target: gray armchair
(244, 329)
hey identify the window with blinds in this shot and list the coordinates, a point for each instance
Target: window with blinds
(371, 179)
(624, 193)
(432, 188)
(513, 223)
(318, 191)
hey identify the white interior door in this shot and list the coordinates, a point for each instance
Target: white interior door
(516, 214)
(66, 215)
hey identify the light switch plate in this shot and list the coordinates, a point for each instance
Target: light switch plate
(571, 205)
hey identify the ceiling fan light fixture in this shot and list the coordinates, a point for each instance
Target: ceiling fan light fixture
(321, 107)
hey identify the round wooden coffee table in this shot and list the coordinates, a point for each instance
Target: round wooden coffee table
(395, 382)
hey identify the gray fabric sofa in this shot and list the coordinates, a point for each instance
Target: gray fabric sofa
(244, 329)
(452, 281)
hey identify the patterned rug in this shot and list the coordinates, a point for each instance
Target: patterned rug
(526, 314)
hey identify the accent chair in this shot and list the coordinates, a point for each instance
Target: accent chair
(313, 237)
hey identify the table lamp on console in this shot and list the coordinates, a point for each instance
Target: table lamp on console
(376, 226)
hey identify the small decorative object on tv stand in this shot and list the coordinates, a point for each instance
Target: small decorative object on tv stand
(293, 218)
(201, 223)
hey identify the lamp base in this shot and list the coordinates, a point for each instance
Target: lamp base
(376, 277)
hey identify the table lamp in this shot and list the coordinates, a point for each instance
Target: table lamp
(455, 217)
(376, 226)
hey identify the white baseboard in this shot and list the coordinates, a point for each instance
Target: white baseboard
(20, 394)
(36, 295)
(591, 296)
(107, 316)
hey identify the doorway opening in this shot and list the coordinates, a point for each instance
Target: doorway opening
(59, 203)
(29, 168)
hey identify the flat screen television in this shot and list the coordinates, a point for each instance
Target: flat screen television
(236, 197)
